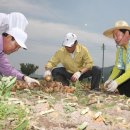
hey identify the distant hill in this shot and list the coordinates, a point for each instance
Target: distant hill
(36, 76)
(107, 72)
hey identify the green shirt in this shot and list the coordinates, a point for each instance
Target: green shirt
(125, 76)
(81, 59)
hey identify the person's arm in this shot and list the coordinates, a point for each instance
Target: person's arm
(6, 69)
(87, 61)
(115, 73)
(83, 70)
(53, 62)
(124, 77)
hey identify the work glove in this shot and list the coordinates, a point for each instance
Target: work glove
(47, 73)
(75, 76)
(30, 80)
(107, 82)
(112, 86)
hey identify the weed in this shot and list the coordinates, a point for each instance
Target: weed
(11, 112)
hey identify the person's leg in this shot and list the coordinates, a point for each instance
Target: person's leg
(96, 77)
(95, 73)
(61, 75)
(124, 88)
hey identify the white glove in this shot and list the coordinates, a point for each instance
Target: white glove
(47, 73)
(76, 76)
(30, 80)
(112, 86)
(107, 82)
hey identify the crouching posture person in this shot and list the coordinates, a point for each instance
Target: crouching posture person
(77, 63)
(12, 39)
(120, 76)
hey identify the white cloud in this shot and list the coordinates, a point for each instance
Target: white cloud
(46, 33)
(53, 31)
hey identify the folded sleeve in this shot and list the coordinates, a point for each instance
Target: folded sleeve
(7, 70)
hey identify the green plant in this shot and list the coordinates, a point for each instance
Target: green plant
(28, 68)
(22, 126)
(6, 83)
(79, 88)
(14, 112)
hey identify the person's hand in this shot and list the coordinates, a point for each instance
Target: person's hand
(75, 76)
(47, 73)
(107, 82)
(112, 86)
(31, 80)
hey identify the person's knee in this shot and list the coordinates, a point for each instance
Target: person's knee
(58, 70)
(61, 78)
(97, 70)
(54, 71)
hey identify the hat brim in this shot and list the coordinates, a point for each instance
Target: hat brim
(21, 44)
(109, 32)
(68, 44)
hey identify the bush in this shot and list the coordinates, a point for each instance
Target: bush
(28, 68)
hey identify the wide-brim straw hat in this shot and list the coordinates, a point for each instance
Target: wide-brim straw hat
(118, 25)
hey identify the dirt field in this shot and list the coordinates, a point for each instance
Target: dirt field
(69, 111)
(60, 111)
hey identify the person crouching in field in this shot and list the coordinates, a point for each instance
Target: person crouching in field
(120, 76)
(77, 63)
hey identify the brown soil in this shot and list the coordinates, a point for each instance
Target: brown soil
(62, 111)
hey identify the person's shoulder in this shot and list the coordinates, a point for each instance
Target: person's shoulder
(82, 46)
(62, 49)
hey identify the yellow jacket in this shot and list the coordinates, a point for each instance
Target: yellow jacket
(82, 59)
(125, 76)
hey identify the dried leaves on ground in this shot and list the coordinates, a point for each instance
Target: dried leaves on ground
(52, 107)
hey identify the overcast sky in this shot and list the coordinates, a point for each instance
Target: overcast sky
(50, 20)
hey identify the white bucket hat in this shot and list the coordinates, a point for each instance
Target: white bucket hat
(16, 19)
(118, 25)
(19, 35)
(3, 23)
(69, 40)
(12, 20)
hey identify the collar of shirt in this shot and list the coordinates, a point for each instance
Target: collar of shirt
(127, 44)
(77, 49)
